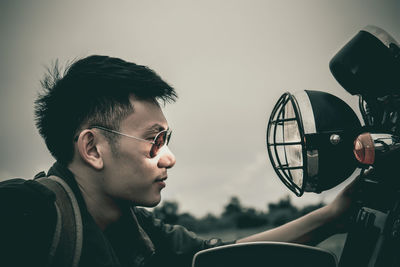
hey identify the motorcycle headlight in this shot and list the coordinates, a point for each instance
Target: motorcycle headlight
(310, 138)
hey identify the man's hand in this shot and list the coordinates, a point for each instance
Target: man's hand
(316, 226)
(342, 207)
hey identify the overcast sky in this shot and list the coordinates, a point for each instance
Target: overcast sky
(228, 60)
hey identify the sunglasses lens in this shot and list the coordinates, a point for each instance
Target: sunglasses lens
(159, 142)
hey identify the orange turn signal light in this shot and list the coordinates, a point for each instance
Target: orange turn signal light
(364, 149)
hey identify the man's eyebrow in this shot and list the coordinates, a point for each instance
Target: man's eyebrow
(156, 128)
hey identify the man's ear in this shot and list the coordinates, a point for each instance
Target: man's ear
(88, 149)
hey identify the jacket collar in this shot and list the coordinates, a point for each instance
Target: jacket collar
(64, 173)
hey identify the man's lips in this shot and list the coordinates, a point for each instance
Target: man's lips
(161, 179)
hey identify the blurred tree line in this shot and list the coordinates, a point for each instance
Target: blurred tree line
(234, 215)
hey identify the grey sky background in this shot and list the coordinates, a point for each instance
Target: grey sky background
(228, 60)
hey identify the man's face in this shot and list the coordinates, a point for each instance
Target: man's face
(130, 173)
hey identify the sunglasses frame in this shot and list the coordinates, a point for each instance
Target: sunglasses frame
(153, 153)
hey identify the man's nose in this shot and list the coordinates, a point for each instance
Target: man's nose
(167, 158)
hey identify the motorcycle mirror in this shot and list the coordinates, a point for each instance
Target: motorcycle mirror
(259, 254)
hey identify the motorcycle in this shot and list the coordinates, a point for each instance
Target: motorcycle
(315, 141)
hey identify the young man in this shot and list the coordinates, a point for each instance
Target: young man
(102, 122)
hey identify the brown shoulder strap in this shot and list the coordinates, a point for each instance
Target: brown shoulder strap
(66, 246)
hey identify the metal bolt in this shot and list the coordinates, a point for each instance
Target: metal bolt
(335, 139)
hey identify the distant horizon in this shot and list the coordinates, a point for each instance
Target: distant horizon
(259, 209)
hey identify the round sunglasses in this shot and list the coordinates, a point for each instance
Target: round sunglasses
(161, 139)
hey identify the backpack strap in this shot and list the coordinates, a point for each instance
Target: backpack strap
(66, 246)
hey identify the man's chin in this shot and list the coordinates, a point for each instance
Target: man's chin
(151, 203)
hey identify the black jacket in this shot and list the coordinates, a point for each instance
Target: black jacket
(28, 219)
